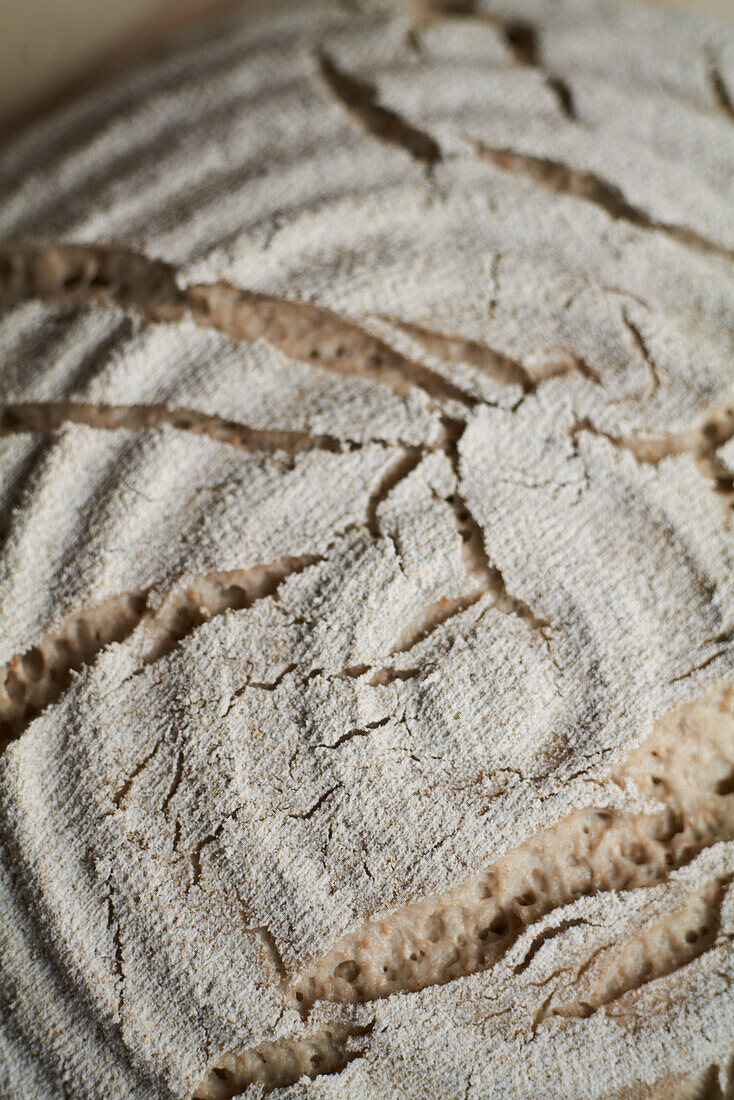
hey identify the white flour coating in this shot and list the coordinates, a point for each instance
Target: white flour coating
(367, 568)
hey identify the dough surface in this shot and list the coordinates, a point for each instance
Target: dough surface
(366, 562)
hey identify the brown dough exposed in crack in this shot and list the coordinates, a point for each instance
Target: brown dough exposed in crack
(591, 851)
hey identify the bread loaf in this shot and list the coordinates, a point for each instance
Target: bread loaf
(366, 564)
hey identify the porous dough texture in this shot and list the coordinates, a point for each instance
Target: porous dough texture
(367, 570)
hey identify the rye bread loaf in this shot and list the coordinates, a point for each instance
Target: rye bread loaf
(366, 562)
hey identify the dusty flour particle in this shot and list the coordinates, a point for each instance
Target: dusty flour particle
(367, 705)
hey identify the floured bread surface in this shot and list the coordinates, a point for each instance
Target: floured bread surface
(367, 568)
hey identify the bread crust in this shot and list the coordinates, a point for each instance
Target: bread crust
(366, 567)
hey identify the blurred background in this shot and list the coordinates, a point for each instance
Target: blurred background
(45, 45)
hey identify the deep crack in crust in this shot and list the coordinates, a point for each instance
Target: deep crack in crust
(46, 417)
(280, 1063)
(592, 851)
(688, 767)
(75, 274)
(519, 35)
(361, 100)
(568, 180)
(39, 676)
(470, 612)
(660, 949)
